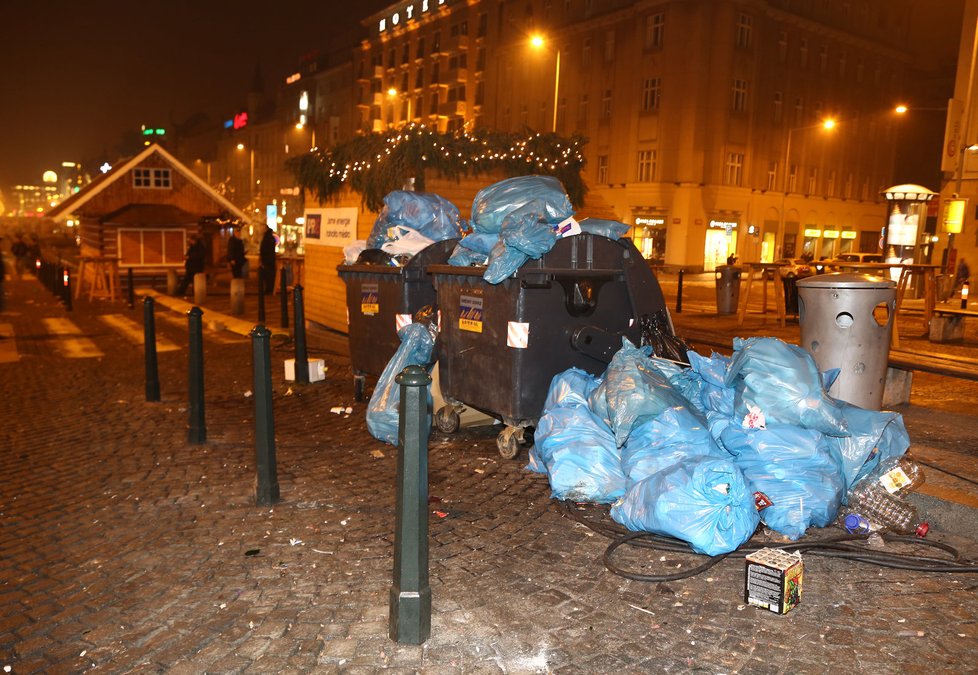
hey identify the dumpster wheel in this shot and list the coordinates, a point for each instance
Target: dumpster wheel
(508, 442)
(447, 419)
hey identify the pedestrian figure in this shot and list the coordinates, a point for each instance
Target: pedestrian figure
(194, 262)
(266, 256)
(963, 274)
(19, 251)
(236, 254)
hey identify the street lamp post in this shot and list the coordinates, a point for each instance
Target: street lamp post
(826, 124)
(537, 42)
(251, 172)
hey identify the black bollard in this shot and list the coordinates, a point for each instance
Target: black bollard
(410, 599)
(132, 290)
(301, 354)
(261, 297)
(284, 297)
(266, 485)
(149, 341)
(196, 430)
(679, 293)
(66, 288)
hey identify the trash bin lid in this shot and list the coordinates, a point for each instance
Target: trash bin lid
(845, 280)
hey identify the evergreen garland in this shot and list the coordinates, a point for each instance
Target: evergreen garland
(375, 164)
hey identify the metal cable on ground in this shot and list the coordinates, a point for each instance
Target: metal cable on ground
(949, 473)
(847, 546)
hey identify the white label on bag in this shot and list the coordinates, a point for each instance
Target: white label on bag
(517, 335)
(567, 227)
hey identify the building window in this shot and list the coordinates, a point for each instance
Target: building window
(812, 181)
(799, 110)
(602, 169)
(609, 46)
(735, 168)
(848, 187)
(654, 26)
(646, 166)
(792, 178)
(582, 110)
(151, 178)
(772, 175)
(745, 23)
(483, 28)
(606, 104)
(803, 50)
(823, 58)
(842, 65)
(419, 78)
(778, 107)
(783, 46)
(561, 111)
(650, 94)
(419, 53)
(739, 102)
(524, 115)
(480, 59)
(586, 53)
(830, 184)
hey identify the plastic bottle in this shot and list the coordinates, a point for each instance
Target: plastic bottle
(885, 511)
(899, 475)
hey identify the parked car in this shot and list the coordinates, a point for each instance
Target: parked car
(793, 267)
(860, 258)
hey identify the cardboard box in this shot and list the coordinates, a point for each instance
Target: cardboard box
(773, 579)
(317, 370)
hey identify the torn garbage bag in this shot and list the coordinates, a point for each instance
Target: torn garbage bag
(427, 214)
(796, 474)
(781, 382)
(706, 503)
(417, 345)
(611, 229)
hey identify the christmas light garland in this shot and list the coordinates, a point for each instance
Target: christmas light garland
(375, 164)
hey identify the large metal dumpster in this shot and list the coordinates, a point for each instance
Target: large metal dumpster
(379, 300)
(501, 345)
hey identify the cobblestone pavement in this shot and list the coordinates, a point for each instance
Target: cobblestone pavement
(123, 548)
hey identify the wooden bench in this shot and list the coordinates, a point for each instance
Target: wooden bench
(947, 324)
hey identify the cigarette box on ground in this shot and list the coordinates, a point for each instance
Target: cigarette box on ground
(317, 370)
(773, 579)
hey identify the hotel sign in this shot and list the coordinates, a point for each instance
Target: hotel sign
(408, 11)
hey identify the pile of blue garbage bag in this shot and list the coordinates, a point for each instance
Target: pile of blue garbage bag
(408, 223)
(707, 452)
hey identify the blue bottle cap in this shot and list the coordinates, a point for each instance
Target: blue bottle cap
(856, 524)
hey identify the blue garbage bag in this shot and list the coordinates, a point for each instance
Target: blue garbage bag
(797, 475)
(782, 382)
(466, 257)
(714, 394)
(417, 345)
(528, 230)
(473, 249)
(493, 203)
(706, 503)
(676, 436)
(611, 229)
(636, 390)
(430, 215)
(573, 446)
(503, 262)
(876, 435)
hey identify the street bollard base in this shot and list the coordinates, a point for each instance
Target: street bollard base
(410, 616)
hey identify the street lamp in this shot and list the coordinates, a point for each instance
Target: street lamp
(538, 42)
(251, 172)
(393, 94)
(827, 124)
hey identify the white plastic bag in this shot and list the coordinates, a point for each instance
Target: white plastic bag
(405, 240)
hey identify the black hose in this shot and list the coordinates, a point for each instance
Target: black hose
(846, 546)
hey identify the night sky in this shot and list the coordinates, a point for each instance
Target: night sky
(76, 76)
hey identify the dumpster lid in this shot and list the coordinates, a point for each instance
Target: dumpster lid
(845, 280)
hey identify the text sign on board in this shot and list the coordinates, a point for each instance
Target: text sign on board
(330, 227)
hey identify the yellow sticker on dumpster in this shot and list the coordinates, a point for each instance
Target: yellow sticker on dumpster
(470, 313)
(369, 299)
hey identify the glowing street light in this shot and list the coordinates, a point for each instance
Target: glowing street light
(537, 41)
(827, 125)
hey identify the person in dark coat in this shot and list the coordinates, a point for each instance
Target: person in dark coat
(266, 257)
(194, 262)
(236, 254)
